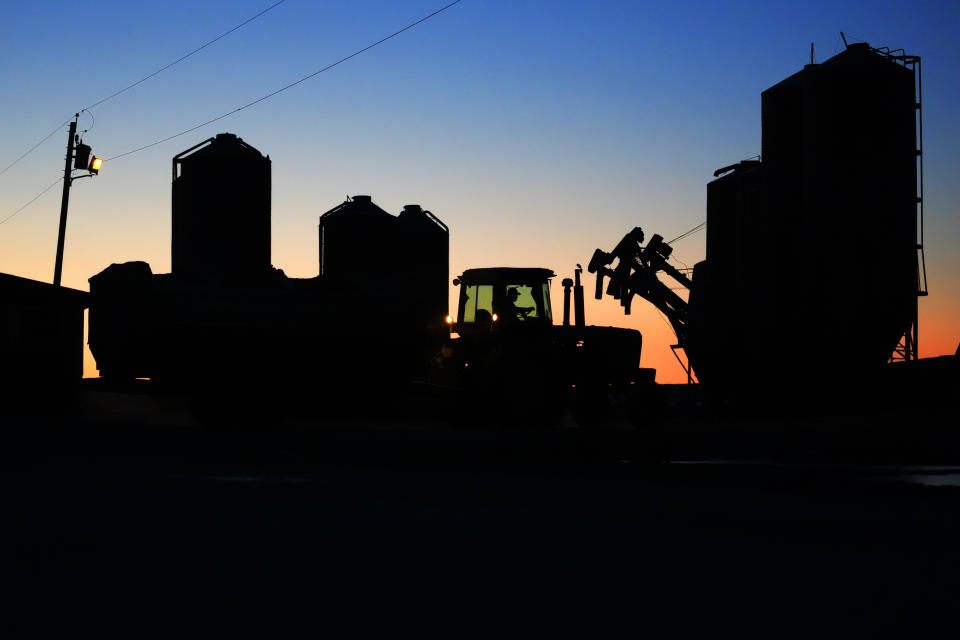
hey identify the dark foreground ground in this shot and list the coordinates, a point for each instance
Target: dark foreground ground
(130, 519)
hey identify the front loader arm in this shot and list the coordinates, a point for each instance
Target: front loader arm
(636, 274)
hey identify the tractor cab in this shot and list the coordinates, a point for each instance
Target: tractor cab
(499, 298)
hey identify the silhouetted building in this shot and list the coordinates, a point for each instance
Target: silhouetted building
(224, 313)
(41, 339)
(221, 211)
(811, 265)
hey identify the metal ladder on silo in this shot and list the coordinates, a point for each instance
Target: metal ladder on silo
(907, 348)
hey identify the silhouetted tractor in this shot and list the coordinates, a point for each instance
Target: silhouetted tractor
(515, 366)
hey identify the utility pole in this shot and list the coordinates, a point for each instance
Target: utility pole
(67, 171)
(78, 157)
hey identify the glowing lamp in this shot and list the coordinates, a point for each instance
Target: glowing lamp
(95, 165)
(495, 317)
(449, 319)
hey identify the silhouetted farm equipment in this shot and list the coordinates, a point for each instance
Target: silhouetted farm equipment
(226, 322)
(814, 255)
(515, 365)
(768, 309)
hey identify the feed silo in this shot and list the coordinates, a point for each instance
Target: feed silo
(812, 253)
(384, 259)
(221, 211)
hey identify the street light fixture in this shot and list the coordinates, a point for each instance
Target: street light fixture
(83, 160)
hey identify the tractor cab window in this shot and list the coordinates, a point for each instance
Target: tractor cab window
(476, 297)
(504, 303)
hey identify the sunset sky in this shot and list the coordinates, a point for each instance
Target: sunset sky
(538, 131)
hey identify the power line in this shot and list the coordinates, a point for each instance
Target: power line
(144, 79)
(249, 104)
(291, 85)
(687, 233)
(30, 150)
(52, 185)
(675, 258)
(184, 57)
